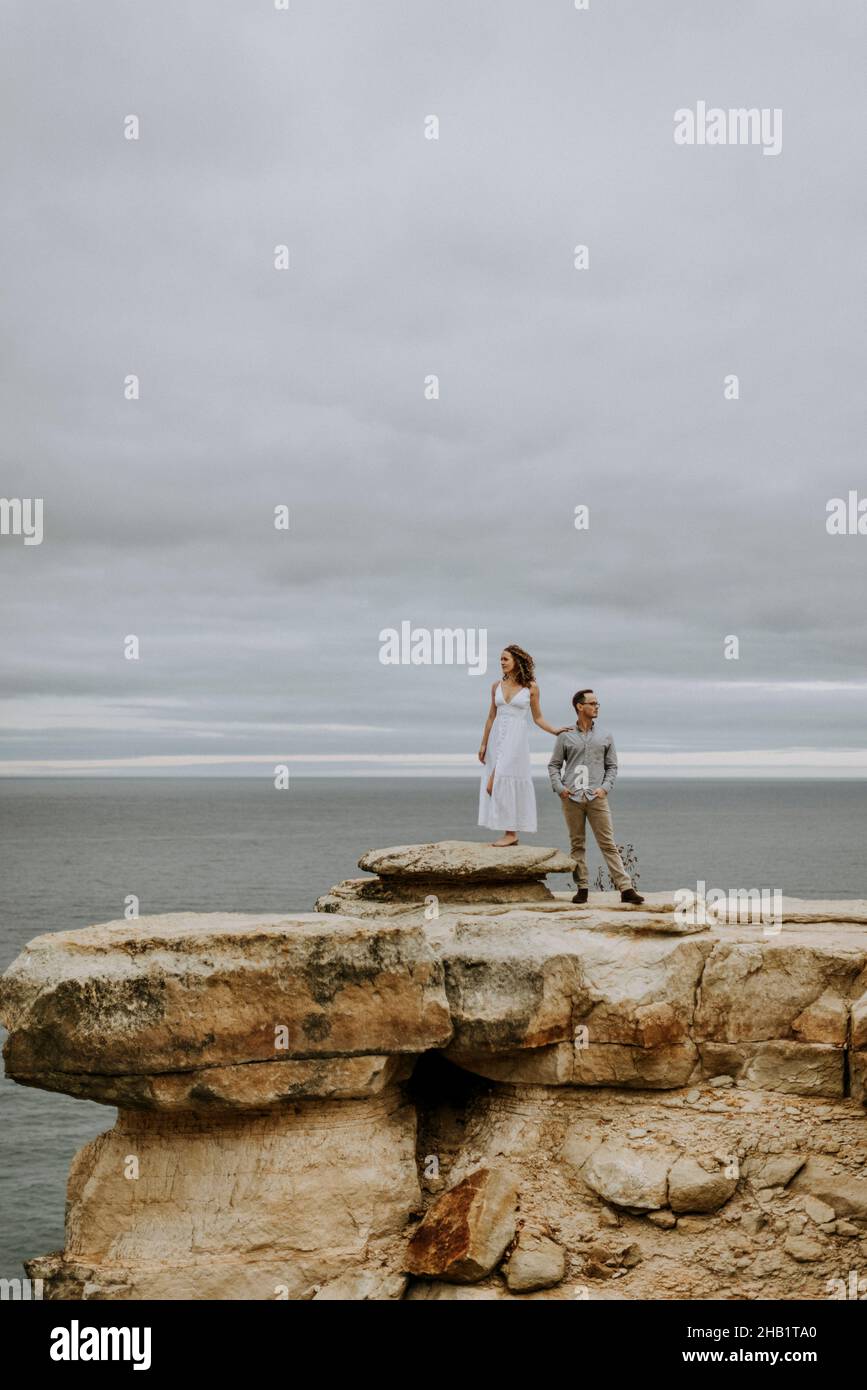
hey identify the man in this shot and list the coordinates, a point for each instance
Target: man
(590, 769)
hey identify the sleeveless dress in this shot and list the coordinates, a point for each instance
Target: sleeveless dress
(512, 803)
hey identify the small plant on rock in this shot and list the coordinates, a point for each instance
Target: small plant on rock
(604, 883)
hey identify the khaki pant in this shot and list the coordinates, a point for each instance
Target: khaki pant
(599, 816)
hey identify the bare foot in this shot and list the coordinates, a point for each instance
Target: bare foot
(508, 839)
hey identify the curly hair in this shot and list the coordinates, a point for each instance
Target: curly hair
(525, 670)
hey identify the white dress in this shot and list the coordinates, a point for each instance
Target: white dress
(512, 803)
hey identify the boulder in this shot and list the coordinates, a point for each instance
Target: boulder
(537, 1262)
(629, 1177)
(464, 1235)
(845, 1192)
(691, 1187)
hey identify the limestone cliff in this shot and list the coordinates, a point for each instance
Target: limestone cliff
(452, 1083)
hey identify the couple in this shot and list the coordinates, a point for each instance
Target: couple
(582, 758)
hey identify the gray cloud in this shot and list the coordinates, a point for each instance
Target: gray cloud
(411, 257)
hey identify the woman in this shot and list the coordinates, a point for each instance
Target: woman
(506, 797)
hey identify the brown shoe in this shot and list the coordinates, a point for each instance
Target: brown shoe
(580, 896)
(629, 895)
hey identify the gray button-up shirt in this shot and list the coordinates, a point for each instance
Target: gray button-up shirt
(593, 750)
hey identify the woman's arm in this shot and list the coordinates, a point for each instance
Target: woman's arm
(489, 724)
(538, 716)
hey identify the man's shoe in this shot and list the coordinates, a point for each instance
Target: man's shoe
(629, 895)
(581, 896)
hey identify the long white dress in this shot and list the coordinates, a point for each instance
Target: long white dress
(512, 803)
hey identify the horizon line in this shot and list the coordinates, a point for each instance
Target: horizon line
(838, 764)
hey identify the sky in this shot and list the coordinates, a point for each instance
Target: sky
(410, 258)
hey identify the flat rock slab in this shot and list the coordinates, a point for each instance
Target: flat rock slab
(467, 861)
(740, 910)
(262, 1086)
(187, 991)
(521, 996)
(353, 894)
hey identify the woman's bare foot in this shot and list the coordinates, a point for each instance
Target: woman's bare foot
(510, 838)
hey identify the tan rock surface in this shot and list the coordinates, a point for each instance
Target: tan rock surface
(187, 1206)
(628, 1176)
(192, 990)
(845, 1191)
(393, 896)
(604, 1064)
(536, 1262)
(611, 1063)
(859, 1021)
(751, 991)
(702, 1187)
(799, 1069)
(736, 1252)
(466, 860)
(260, 1086)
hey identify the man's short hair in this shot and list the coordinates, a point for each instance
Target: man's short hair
(580, 696)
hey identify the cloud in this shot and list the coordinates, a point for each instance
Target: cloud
(411, 257)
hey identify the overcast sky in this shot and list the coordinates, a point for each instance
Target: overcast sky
(411, 257)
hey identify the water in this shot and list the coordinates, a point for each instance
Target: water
(73, 850)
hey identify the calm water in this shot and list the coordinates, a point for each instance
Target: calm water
(73, 850)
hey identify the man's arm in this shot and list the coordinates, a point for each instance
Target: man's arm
(555, 765)
(610, 766)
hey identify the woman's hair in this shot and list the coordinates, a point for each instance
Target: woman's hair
(525, 671)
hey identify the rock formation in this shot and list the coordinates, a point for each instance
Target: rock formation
(451, 1082)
